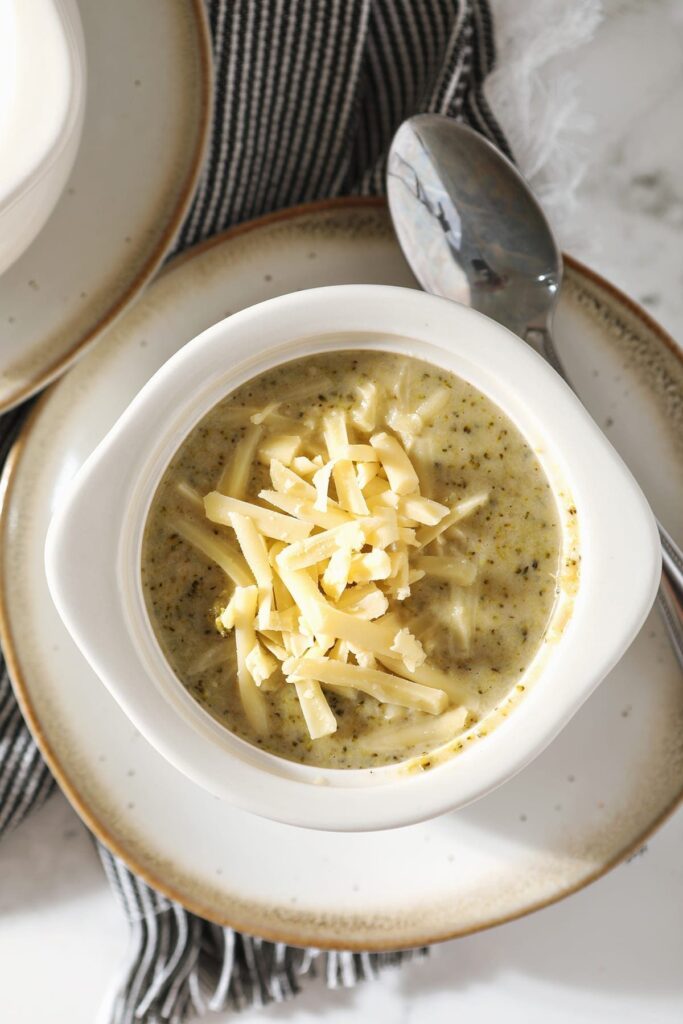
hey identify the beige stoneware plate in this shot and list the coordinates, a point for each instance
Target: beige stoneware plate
(146, 122)
(593, 797)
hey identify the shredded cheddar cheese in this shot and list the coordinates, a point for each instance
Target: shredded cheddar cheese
(341, 533)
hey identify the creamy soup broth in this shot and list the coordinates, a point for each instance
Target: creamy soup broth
(483, 634)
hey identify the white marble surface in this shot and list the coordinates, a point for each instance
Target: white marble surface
(631, 83)
(610, 953)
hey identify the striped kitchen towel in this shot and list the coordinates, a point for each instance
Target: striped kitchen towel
(307, 96)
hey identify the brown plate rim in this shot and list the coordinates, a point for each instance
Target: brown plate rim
(48, 373)
(99, 828)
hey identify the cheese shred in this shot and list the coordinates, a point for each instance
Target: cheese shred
(326, 555)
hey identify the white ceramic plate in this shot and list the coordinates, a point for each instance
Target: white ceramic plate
(589, 800)
(146, 121)
(92, 553)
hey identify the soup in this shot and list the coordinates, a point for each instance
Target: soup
(352, 559)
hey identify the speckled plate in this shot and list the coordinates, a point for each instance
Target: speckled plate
(146, 121)
(592, 798)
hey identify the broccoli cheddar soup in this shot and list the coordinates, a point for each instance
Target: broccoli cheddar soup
(352, 559)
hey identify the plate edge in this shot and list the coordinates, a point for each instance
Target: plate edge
(145, 275)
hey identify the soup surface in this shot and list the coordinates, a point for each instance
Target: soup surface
(466, 574)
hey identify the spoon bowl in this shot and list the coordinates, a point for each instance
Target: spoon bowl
(486, 246)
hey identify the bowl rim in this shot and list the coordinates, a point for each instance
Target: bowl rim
(608, 612)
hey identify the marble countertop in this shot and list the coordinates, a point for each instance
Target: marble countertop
(612, 952)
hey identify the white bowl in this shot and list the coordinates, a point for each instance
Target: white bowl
(94, 545)
(42, 102)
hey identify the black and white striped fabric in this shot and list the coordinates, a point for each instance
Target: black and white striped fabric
(308, 94)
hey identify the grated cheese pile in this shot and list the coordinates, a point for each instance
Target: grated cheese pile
(337, 537)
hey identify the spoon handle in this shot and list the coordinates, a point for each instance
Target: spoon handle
(671, 589)
(671, 608)
(541, 341)
(672, 560)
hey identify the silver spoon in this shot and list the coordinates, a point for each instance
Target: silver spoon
(472, 231)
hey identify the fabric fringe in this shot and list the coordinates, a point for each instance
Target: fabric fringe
(533, 93)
